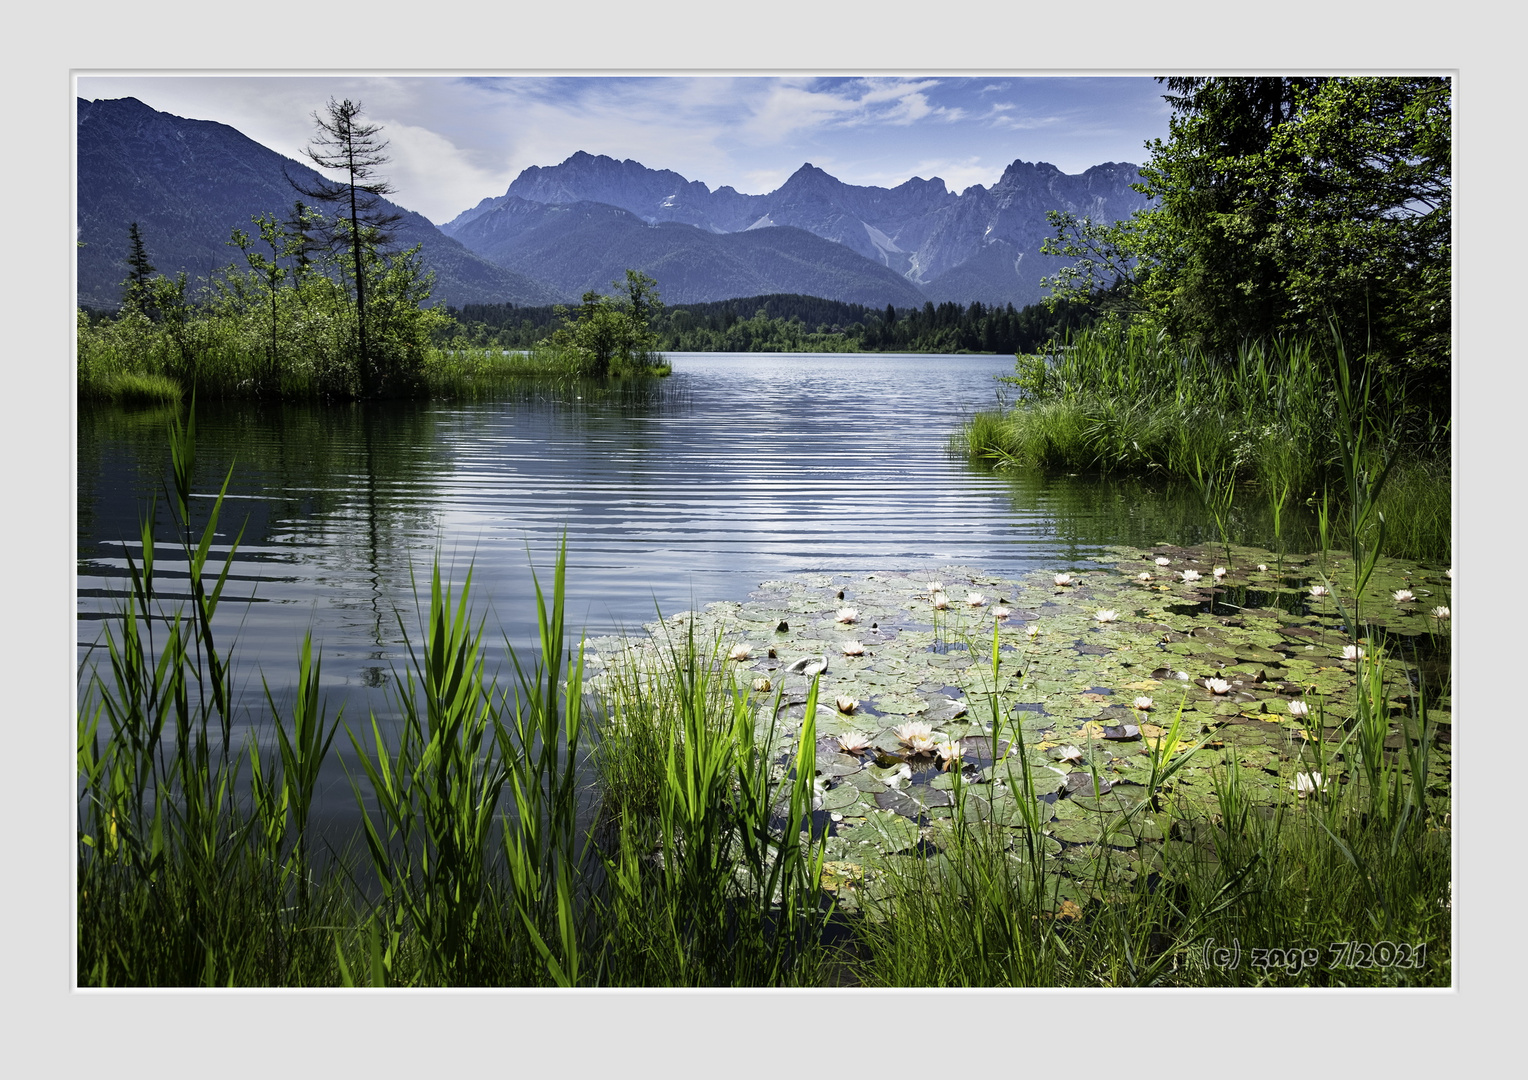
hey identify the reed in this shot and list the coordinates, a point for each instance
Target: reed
(1244, 895)
(712, 883)
(180, 881)
(225, 356)
(1271, 418)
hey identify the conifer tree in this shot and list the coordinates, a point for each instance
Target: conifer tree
(354, 149)
(136, 287)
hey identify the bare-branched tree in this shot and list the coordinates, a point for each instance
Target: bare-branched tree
(346, 145)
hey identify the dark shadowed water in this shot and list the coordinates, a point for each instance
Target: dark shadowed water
(735, 470)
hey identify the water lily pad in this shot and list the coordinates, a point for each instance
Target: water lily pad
(899, 802)
(841, 797)
(893, 774)
(1077, 831)
(863, 780)
(901, 704)
(1082, 783)
(941, 708)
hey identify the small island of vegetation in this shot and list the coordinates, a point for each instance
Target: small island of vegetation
(320, 308)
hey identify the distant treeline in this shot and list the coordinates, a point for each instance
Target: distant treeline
(792, 323)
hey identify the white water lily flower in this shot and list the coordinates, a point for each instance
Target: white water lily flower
(1163, 560)
(853, 648)
(949, 750)
(852, 742)
(1033, 630)
(913, 729)
(1320, 590)
(935, 586)
(1219, 572)
(1191, 575)
(1449, 573)
(1403, 596)
(1144, 575)
(975, 599)
(1217, 686)
(1181, 676)
(1262, 566)
(922, 744)
(739, 652)
(1063, 579)
(1143, 703)
(1068, 753)
(1106, 615)
(940, 601)
(761, 686)
(847, 704)
(1001, 613)
(846, 615)
(1299, 708)
(1441, 612)
(1307, 784)
(1352, 652)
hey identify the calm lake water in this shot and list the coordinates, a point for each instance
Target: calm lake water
(735, 470)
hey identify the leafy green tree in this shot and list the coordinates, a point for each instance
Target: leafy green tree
(269, 269)
(643, 309)
(346, 145)
(403, 322)
(1107, 254)
(1281, 204)
(1363, 182)
(609, 335)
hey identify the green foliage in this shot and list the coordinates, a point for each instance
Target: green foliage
(316, 306)
(1123, 398)
(792, 323)
(284, 324)
(1281, 203)
(613, 335)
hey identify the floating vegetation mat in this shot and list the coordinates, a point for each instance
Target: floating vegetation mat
(1093, 663)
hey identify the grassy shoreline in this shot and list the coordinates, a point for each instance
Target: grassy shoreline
(156, 376)
(1264, 425)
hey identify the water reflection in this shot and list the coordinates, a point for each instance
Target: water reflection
(1086, 512)
(671, 494)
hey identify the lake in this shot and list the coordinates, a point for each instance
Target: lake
(738, 468)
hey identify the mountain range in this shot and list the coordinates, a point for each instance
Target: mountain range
(563, 229)
(189, 183)
(971, 246)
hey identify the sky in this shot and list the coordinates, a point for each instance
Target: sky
(457, 139)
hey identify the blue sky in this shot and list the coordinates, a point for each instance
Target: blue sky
(457, 139)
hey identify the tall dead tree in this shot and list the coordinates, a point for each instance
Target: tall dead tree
(354, 149)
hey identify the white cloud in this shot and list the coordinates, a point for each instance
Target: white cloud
(1003, 122)
(429, 173)
(793, 109)
(456, 139)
